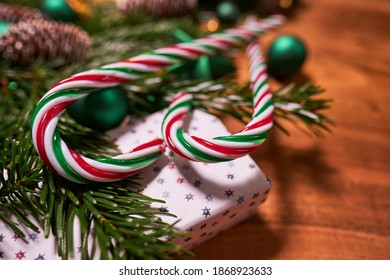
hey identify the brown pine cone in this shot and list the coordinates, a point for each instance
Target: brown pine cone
(159, 8)
(30, 40)
(171, 8)
(131, 6)
(13, 13)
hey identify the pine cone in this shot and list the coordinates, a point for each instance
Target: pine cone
(171, 8)
(159, 8)
(13, 13)
(131, 6)
(29, 40)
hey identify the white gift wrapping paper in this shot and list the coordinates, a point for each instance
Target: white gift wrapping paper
(206, 198)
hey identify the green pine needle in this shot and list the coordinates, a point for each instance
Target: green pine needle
(20, 174)
(114, 215)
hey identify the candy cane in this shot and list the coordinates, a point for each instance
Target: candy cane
(223, 148)
(71, 165)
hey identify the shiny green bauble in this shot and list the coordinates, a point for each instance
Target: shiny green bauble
(286, 56)
(4, 28)
(101, 110)
(228, 12)
(206, 67)
(58, 10)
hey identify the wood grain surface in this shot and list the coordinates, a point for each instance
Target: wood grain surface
(330, 197)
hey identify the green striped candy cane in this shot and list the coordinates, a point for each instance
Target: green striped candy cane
(75, 167)
(223, 148)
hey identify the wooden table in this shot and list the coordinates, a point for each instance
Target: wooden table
(331, 196)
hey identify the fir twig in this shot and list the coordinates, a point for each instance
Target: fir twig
(98, 144)
(20, 174)
(114, 215)
(297, 105)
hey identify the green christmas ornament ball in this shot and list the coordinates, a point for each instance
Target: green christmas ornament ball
(286, 56)
(4, 28)
(101, 110)
(227, 12)
(58, 10)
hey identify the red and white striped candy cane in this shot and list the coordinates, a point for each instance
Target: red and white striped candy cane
(223, 148)
(71, 165)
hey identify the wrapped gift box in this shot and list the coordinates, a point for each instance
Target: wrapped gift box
(206, 198)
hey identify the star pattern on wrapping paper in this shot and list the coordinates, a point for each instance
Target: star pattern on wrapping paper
(79, 249)
(189, 197)
(160, 181)
(16, 236)
(226, 212)
(140, 190)
(156, 169)
(163, 209)
(229, 193)
(166, 195)
(40, 257)
(171, 165)
(180, 180)
(230, 176)
(24, 214)
(187, 239)
(1, 254)
(20, 255)
(168, 238)
(209, 197)
(240, 199)
(206, 212)
(171, 154)
(33, 236)
(132, 130)
(185, 167)
(197, 183)
(251, 166)
(2, 236)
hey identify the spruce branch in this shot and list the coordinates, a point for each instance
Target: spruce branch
(97, 145)
(20, 174)
(298, 106)
(115, 216)
(294, 104)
